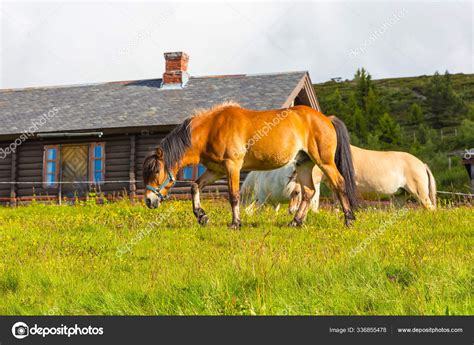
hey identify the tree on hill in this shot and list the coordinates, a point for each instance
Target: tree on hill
(372, 109)
(416, 116)
(446, 107)
(334, 105)
(363, 84)
(390, 131)
(360, 125)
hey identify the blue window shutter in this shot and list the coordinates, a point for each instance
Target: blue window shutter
(51, 166)
(97, 163)
(201, 170)
(188, 173)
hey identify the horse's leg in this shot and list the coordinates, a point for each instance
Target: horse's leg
(324, 157)
(233, 176)
(295, 199)
(419, 189)
(205, 179)
(317, 177)
(303, 171)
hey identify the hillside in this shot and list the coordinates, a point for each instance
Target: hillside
(400, 93)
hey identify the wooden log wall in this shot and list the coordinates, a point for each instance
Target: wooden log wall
(124, 156)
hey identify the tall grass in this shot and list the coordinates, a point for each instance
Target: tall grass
(108, 260)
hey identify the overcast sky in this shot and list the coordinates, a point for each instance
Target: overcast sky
(72, 43)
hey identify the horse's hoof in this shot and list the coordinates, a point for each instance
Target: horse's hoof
(235, 226)
(203, 220)
(295, 223)
(349, 217)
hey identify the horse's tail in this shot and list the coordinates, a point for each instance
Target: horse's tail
(343, 160)
(431, 186)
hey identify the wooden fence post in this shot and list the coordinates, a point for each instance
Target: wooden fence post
(133, 185)
(13, 179)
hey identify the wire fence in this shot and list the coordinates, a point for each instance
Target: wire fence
(68, 182)
(136, 181)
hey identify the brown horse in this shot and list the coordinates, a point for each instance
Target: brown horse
(228, 139)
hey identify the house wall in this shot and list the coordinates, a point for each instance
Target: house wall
(5, 174)
(30, 164)
(29, 167)
(124, 156)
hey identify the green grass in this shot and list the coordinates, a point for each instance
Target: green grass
(64, 260)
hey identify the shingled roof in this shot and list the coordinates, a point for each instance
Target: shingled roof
(140, 103)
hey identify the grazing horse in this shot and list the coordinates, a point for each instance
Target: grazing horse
(228, 139)
(274, 187)
(375, 172)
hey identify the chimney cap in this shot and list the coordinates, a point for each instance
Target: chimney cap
(176, 55)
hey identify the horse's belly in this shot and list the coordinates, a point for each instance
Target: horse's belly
(267, 160)
(271, 153)
(381, 184)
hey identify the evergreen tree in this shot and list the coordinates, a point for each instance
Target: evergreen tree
(350, 111)
(416, 116)
(390, 132)
(360, 125)
(372, 109)
(373, 141)
(363, 84)
(334, 105)
(446, 106)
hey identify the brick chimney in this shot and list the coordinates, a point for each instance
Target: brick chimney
(176, 73)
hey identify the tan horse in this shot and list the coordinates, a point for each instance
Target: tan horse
(377, 172)
(228, 139)
(385, 172)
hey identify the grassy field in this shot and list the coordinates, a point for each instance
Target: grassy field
(123, 259)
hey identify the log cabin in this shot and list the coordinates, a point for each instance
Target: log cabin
(66, 142)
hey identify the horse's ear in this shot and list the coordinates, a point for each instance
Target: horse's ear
(159, 153)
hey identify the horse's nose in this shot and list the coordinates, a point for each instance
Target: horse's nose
(152, 202)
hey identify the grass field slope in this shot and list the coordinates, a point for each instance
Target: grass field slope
(123, 259)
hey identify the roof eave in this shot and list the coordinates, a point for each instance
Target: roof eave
(304, 83)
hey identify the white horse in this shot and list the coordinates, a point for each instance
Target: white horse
(272, 187)
(379, 172)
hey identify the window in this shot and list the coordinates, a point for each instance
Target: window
(97, 163)
(188, 173)
(51, 166)
(201, 169)
(73, 163)
(191, 172)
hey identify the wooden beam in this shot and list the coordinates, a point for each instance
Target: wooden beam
(311, 93)
(294, 93)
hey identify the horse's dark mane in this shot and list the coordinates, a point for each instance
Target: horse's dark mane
(175, 143)
(150, 167)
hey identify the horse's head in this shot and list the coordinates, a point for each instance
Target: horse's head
(157, 178)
